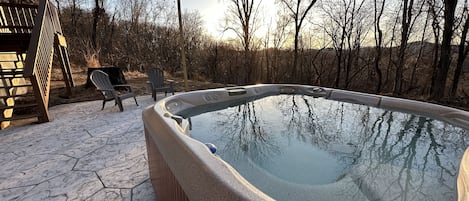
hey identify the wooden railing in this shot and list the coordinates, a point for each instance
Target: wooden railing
(46, 35)
(17, 18)
(16, 25)
(34, 33)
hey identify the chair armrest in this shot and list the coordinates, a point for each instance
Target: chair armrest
(105, 90)
(123, 85)
(111, 91)
(170, 84)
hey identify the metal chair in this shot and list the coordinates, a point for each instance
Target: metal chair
(101, 80)
(157, 84)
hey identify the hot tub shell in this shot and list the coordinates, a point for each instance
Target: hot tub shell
(182, 168)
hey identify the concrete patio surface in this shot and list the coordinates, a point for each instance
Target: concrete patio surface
(82, 154)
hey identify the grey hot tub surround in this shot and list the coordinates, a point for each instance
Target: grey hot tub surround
(182, 168)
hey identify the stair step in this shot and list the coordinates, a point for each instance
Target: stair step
(12, 70)
(16, 95)
(16, 86)
(15, 73)
(19, 117)
(8, 56)
(11, 76)
(19, 106)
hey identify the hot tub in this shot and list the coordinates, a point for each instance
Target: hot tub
(295, 142)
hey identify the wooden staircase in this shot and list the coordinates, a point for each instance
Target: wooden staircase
(26, 54)
(14, 88)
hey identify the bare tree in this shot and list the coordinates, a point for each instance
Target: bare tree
(193, 41)
(378, 13)
(241, 18)
(391, 48)
(463, 50)
(435, 10)
(438, 84)
(413, 78)
(298, 11)
(354, 36)
(407, 9)
(97, 12)
(279, 36)
(344, 25)
(335, 25)
(72, 7)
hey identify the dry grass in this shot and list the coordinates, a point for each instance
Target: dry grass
(92, 60)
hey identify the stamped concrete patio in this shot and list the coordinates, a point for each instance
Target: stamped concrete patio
(82, 154)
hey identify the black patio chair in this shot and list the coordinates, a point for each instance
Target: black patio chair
(101, 80)
(157, 82)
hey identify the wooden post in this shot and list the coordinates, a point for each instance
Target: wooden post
(181, 45)
(61, 49)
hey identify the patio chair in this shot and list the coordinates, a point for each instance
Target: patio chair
(101, 80)
(157, 84)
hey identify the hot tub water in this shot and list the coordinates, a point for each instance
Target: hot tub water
(339, 149)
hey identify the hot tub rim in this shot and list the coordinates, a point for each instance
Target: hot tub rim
(200, 152)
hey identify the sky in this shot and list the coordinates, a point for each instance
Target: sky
(213, 13)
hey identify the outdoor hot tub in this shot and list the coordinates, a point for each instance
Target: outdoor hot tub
(296, 142)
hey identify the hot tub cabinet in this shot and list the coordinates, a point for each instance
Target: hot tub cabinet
(182, 168)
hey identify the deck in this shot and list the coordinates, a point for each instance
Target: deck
(83, 154)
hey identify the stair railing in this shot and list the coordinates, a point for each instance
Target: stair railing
(45, 36)
(17, 18)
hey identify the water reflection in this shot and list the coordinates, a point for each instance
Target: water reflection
(387, 155)
(241, 132)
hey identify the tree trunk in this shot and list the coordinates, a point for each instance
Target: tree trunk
(406, 18)
(439, 83)
(391, 48)
(422, 46)
(462, 54)
(378, 43)
(295, 54)
(74, 9)
(181, 46)
(339, 67)
(96, 12)
(298, 15)
(339, 54)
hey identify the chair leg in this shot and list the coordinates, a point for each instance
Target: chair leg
(171, 87)
(135, 101)
(104, 102)
(153, 95)
(119, 103)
